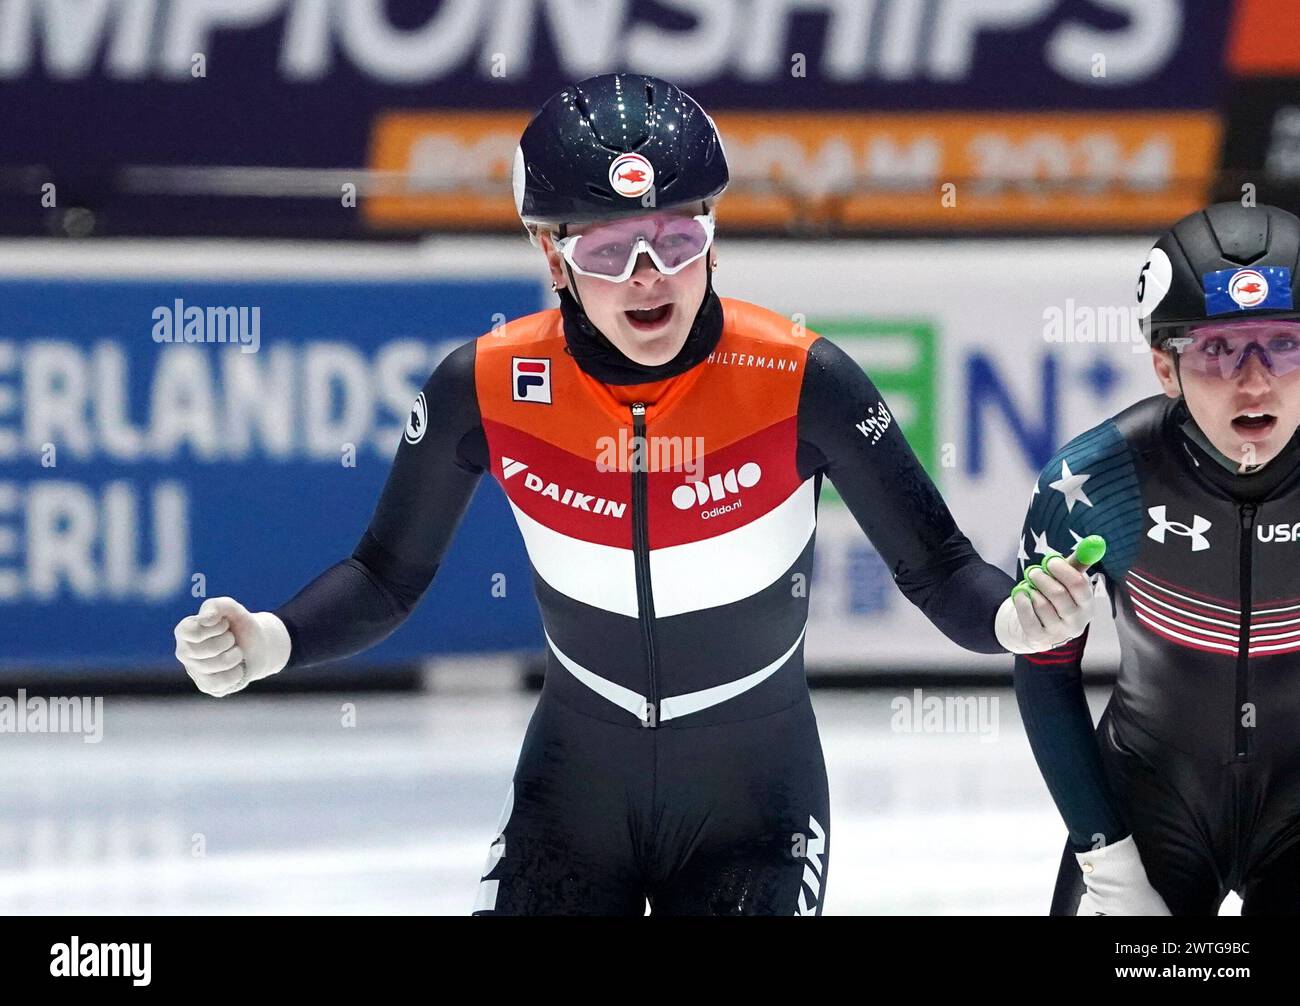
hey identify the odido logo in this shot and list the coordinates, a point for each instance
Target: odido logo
(717, 487)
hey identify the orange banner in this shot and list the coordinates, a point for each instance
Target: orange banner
(1261, 44)
(444, 169)
(830, 171)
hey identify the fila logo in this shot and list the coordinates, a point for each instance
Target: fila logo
(814, 868)
(1278, 532)
(531, 379)
(565, 497)
(717, 487)
(1196, 532)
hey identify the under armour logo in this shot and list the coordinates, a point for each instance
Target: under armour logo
(1196, 532)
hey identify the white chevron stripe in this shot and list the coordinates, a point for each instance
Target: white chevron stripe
(1189, 627)
(731, 566)
(1184, 597)
(1136, 592)
(1284, 647)
(1274, 625)
(1257, 644)
(599, 575)
(1164, 630)
(1258, 633)
(1271, 611)
(674, 705)
(690, 577)
(693, 702)
(1255, 612)
(624, 698)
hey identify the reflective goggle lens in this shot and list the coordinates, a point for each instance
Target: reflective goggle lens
(609, 250)
(1221, 350)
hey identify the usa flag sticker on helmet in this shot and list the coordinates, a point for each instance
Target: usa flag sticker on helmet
(631, 175)
(1262, 288)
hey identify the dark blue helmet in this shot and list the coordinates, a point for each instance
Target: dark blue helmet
(615, 145)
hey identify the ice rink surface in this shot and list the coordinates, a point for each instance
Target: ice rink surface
(386, 803)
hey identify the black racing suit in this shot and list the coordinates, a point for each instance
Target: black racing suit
(1197, 755)
(673, 755)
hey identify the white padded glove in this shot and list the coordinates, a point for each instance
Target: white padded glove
(1117, 882)
(1052, 604)
(225, 646)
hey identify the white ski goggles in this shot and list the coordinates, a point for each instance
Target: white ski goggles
(609, 251)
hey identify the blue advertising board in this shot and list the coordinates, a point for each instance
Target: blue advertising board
(140, 472)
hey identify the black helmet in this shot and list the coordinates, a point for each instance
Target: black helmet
(1222, 263)
(619, 144)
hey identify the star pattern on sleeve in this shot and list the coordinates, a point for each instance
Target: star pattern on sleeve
(1041, 547)
(1070, 486)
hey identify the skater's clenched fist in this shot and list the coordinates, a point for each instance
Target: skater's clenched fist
(225, 646)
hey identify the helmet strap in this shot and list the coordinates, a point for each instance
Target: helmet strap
(1193, 432)
(572, 285)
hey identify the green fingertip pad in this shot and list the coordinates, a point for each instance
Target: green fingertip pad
(1090, 550)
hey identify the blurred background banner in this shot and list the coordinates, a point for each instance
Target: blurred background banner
(187, 116)
(991, 355)
(958, 193)
(143, 471)
(1261, 146)
(173, 438)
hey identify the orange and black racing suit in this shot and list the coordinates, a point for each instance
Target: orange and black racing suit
(673, 755)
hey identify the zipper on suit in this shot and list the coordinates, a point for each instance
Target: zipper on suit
(641, 558)
(1242, 732)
